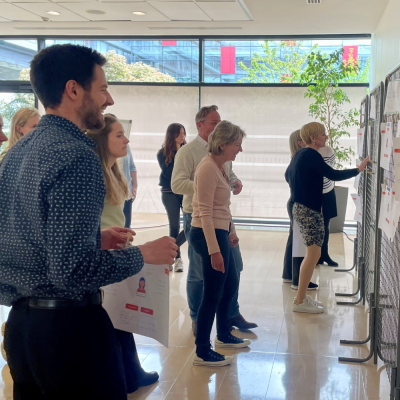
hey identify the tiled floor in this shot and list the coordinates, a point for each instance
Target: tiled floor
(292, 356)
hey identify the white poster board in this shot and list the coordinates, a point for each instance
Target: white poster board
(140, 303)
(298, 247)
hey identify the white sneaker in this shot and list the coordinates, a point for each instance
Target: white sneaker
(287, 280)
(318, 303)
(171, 267)
(307, 306)
(209, 363)
(178, 265)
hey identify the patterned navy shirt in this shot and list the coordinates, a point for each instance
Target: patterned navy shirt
(51, 199)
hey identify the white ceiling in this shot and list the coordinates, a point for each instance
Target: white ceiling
(189, 17)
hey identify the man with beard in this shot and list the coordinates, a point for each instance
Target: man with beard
(60, 342)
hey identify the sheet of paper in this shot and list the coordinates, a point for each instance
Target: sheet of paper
(357, 201)
(360, 141)
(386, 144)
(298, 247)
(372, 108)
(392, 103)
(140, 303)
(395, 214)
(396, 163)
(385, 218)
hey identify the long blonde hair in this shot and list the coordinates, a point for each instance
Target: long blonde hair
(21, 117)
(293, 145)
(115, 182)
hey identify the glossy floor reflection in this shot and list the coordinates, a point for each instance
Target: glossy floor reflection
(292, 356)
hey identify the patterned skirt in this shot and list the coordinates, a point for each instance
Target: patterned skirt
(311, 224)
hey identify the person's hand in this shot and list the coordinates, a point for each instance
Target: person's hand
(160, 251)
(364, 164)
(115, 237)
(233, 240)
(238, 187)
(133, 194)
(217, 262)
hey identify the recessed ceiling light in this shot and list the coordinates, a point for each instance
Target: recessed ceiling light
(138, 13)
(98, 12)
(53, 12)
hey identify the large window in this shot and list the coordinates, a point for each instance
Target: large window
(146, 60)
(279, 61)
(268, 113)
(15, 56)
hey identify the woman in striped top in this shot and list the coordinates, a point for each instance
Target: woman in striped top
(328, 204)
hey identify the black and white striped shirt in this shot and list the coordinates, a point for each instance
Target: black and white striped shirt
(329, 157)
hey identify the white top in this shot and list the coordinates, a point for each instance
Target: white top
(329, 157)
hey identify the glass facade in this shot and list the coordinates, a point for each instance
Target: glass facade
(262, 61)
(169, 60)
(15, 55)
(268, 114)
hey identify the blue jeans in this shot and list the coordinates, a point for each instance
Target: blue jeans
(194, 284)
(219, 288)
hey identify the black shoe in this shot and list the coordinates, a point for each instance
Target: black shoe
(146, 379)
(329, 261)
(311, 286)
(240, 323)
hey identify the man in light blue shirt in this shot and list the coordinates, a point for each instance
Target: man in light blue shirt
(130, 173)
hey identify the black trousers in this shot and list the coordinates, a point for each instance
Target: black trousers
(219, 288)
(67, 353)
(128, 213)
(173, 204)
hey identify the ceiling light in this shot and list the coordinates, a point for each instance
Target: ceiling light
(138, 13)
(53, 12)
(98, 12)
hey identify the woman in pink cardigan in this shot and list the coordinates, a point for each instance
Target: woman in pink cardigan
(213, 235)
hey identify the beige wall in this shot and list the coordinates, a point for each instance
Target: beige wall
(385, 51)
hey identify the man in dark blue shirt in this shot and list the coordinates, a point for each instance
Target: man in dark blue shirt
(59, 340)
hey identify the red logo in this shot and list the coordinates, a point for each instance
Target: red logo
(146, 310)
(131, 307)
(397, 150)
(166, 270)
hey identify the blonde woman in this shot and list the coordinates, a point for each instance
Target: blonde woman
(289, 274)
(23, 121)
(112, 144)
(213, 235)
(305, 176)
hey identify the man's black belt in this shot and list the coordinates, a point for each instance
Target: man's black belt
(43, 302)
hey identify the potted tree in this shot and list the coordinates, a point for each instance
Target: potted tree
(322, 76)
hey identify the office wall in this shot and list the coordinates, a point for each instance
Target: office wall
(385, 49)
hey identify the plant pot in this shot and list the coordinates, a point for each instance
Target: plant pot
(337, 224)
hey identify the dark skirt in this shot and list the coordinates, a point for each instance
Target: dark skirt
(329, 209)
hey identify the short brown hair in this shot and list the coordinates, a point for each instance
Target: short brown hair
(311, 129)
(224, 133)
(204, 111)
